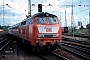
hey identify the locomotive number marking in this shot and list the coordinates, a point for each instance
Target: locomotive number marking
(48, 29)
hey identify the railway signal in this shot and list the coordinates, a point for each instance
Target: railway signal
(39, 7)
(66, 30)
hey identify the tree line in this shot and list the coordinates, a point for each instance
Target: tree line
(4, 27)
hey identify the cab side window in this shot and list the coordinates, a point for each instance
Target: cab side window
(29, 21)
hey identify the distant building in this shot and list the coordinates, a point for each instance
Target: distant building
(77, 27)
(88, 26)
(79, 23)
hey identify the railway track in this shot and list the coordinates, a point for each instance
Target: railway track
(81, 35)
(52, 56)
(77, 41)
(59, 56)
(42, 56)
(4, 42)
(45, 55)
(80, 54)
(77, 48)
(78, 35)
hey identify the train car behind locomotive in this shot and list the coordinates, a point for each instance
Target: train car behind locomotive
(41, 31)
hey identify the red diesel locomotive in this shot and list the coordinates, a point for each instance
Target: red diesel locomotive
(42, 30)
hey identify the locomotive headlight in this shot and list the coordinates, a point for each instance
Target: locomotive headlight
(57, 35)
(40, 35)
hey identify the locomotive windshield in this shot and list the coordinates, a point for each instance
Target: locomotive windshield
(42, 20)
(45, 20)
(53, 20)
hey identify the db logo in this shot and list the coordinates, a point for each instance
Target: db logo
(48, 29)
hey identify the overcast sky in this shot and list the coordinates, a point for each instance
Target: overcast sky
(17, 10)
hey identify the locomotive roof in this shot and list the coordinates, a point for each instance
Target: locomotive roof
(43, 14)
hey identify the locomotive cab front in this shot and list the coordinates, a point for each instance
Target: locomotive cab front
(47, 31)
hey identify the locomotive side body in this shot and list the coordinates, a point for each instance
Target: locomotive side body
(26, 31)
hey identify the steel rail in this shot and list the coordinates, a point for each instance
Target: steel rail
(78, 54)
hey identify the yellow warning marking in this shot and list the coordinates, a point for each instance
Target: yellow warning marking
(14, 42)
